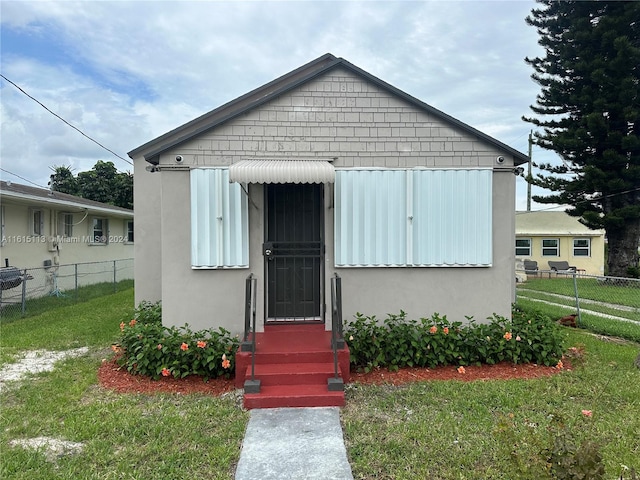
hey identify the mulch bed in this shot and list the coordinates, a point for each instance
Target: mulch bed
(111, 376)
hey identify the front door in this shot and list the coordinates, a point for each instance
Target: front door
(293, 252)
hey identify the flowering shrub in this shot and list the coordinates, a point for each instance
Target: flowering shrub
(149, 348)
(399, 342)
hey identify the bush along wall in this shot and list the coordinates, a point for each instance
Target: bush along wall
(147, 347)
(398, 342)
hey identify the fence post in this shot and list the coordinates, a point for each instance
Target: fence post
(115, 288)
(24, 292)
(575, 290)
(76, 280)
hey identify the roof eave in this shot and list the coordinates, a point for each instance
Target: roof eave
(68, 204)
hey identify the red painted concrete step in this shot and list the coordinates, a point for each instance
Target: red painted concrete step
(292, 373)
(294, 396)
(313, 356)
(293, 364)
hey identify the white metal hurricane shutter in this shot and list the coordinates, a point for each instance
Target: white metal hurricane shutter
(452, 221)
(413, 217)
(370, 218)
(219, 221)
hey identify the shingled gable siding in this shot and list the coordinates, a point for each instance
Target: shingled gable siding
(339, 115)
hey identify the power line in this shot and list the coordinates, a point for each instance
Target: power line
(72, 126)
(584, 201)
(22, 178)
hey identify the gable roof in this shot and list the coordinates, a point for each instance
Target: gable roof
(552, 223)
(321, 65)
(43, 196)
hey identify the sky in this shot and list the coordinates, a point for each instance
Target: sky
(125, 72)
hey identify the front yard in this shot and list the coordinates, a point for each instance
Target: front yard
(446, 430)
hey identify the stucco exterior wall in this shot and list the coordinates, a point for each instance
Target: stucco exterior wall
(25, 250)
(338, 116)
(147, 193)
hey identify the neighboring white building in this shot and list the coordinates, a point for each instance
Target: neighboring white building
(44, 228)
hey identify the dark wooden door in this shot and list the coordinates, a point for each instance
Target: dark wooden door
(293, 252)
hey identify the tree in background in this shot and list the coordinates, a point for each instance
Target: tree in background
(63, 180)
(590, 100)
(103, 183)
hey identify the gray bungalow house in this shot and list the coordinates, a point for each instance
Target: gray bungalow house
(326, 170)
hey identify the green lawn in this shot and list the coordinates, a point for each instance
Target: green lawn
(436, 430)
(91, 323)
(125, 436)
(36, 306)
(594, 323)
(598, 303)
(497, 429)
(589, 288)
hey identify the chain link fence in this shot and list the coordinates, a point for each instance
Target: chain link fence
(24, 290)
(612, 298)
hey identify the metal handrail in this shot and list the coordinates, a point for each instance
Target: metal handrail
(253, 385)
(337, 339)
(248, 297)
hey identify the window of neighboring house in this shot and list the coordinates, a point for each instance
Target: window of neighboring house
(430, 217)
(219, 220)
(99, 231)
(65, 224)
(36, 221)
(550, 247)
(128, 230)
(581, 247)
(523, 247)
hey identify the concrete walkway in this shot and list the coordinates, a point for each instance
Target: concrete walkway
(294, 443)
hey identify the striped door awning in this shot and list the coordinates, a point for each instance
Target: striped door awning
(282, 171)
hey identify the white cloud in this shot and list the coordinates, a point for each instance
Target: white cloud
(126, 72)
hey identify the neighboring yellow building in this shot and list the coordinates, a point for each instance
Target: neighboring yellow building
(555, 236)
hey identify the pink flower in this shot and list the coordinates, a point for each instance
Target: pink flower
(587, 413)
(446, 330)
(433, 329)
(202, 344)
(159, 347)
(507, 336)
(166, 372)
(132, 322)
(122, 326)
(184, 347)
(461, 369)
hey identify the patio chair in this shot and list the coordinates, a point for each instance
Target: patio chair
(531, 267)
(561, 266)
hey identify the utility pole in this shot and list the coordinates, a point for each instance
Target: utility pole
(529, 171)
